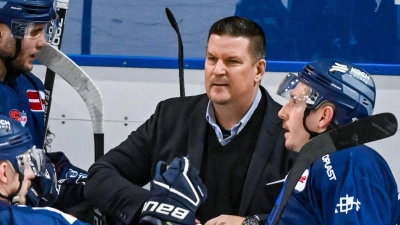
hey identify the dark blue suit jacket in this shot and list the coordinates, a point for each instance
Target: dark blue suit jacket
(178, 128)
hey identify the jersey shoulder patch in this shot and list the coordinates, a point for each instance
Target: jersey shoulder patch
(301, 184)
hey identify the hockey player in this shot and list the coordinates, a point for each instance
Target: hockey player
(352, 186)
(20, 162)
(23, 32)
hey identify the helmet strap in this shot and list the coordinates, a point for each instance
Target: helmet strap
(8, 60)
(306, 113)
(17, 50)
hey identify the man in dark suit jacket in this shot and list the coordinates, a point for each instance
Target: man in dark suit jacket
(232, 135)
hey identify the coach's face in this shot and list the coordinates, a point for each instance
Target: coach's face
(231, 75)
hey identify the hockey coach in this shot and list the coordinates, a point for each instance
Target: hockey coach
(232, 135)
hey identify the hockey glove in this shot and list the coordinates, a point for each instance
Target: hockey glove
(176, 193)
(43, 190)
(71, 181)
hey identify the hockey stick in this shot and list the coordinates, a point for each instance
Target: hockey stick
(61, 64)
(174, 25)
(62, 6)
(367, 129)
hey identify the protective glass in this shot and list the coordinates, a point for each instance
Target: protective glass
(306, 94)
(35, 159)
(33, 30)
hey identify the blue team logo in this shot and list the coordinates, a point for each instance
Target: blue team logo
(347, 204)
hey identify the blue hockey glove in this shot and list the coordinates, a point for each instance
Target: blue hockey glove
(43, 190)
(176, 193)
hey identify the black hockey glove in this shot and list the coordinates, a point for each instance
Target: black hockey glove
(176, 194)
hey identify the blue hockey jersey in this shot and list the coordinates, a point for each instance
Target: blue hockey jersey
(23, 215)
(23, 99)
(352, 186)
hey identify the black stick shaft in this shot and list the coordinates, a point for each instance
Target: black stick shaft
(98, 146)
(50, 75)
(174, 25)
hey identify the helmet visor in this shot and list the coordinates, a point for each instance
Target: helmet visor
(35, 160)
(287, 89)
(34, 30)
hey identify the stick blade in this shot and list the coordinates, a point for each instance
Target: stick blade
(63, 66)
(365, 130)
(174, 25)
(172, 20)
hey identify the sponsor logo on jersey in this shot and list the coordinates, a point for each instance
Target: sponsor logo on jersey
(347, 204)
(37, 100)
(301, 184)
(19, 116)
(328, 166)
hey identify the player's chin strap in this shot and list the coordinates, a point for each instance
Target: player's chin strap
(13, 198)
(8, 60)
(306, 114)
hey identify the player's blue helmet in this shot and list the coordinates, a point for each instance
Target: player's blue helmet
(349, 87)
(17, 14)
(16, 142)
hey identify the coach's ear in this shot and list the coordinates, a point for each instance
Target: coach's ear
(260, 70)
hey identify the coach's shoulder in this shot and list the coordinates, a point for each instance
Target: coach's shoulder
(189, 101)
